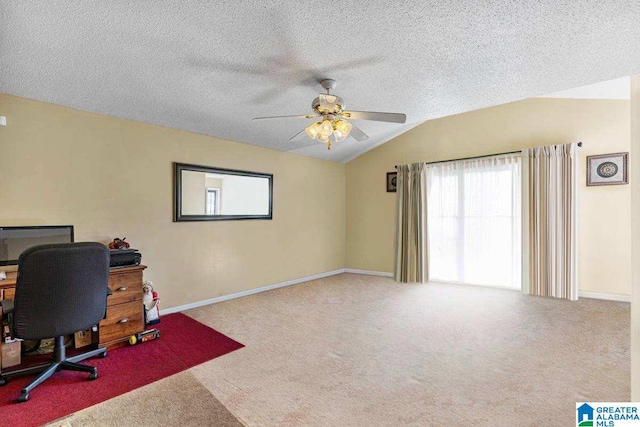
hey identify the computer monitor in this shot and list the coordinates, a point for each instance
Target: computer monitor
(14, 240)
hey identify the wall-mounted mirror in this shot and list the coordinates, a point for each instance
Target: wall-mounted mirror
(204, 193)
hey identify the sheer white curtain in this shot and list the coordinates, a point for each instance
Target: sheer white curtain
(474, 221)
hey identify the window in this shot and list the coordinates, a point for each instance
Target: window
(212, 202)
(474, 221)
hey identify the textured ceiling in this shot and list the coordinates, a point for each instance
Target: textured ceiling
(210, 67)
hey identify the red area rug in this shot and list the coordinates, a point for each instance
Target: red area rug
(183, 344)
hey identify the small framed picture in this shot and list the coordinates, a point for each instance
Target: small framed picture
(608, 169)
(392, 178)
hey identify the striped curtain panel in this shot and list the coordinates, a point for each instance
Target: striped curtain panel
(411, 261)
(549, 221)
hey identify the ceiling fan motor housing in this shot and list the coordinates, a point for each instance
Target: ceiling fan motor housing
(338, 106)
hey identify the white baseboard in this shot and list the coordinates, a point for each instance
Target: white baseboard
(605, 296)
(368, 272)
(249, 292)
(594, 295)
(581, 294)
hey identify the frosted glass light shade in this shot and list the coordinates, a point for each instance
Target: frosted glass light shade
(313, 129)
(326, 129)
(339, 136)
(321, 131)
(344, 127)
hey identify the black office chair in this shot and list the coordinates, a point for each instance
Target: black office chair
(61, 289)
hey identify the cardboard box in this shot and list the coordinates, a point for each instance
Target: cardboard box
(9, 293)
(10, 354)
(82, 338)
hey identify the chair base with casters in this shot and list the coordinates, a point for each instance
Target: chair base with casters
(60, 362)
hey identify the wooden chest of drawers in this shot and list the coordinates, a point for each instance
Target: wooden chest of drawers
(125, 312)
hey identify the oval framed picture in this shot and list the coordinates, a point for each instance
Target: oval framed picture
(608, 169)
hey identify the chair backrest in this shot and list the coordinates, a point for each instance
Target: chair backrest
(61, 289)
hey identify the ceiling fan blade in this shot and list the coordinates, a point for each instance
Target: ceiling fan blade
(327, 102)
(357, 134)
(375, 116)
(299, 136)
(304, 116)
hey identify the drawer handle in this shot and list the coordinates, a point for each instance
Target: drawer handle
(122, 288)
(125, 320)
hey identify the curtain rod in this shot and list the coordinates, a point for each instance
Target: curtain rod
(476, 157)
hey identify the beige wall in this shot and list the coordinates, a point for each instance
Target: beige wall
(604, 212)
(635, 243)
(194, 185)
(112, 177)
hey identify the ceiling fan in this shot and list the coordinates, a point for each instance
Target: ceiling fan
(330, 114)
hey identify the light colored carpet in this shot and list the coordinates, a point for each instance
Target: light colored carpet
(354, 350)
(178, 400)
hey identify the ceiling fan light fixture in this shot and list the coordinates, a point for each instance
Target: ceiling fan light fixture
(313, 130)
(324, 139)
(341, 130)
(344, 127)
(339, 136)
(326, 128)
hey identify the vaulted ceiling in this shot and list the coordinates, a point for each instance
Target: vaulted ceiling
(210, 67)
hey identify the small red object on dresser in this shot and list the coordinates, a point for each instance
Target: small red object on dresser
(119, 243)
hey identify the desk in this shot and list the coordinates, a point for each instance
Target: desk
(125, 315)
